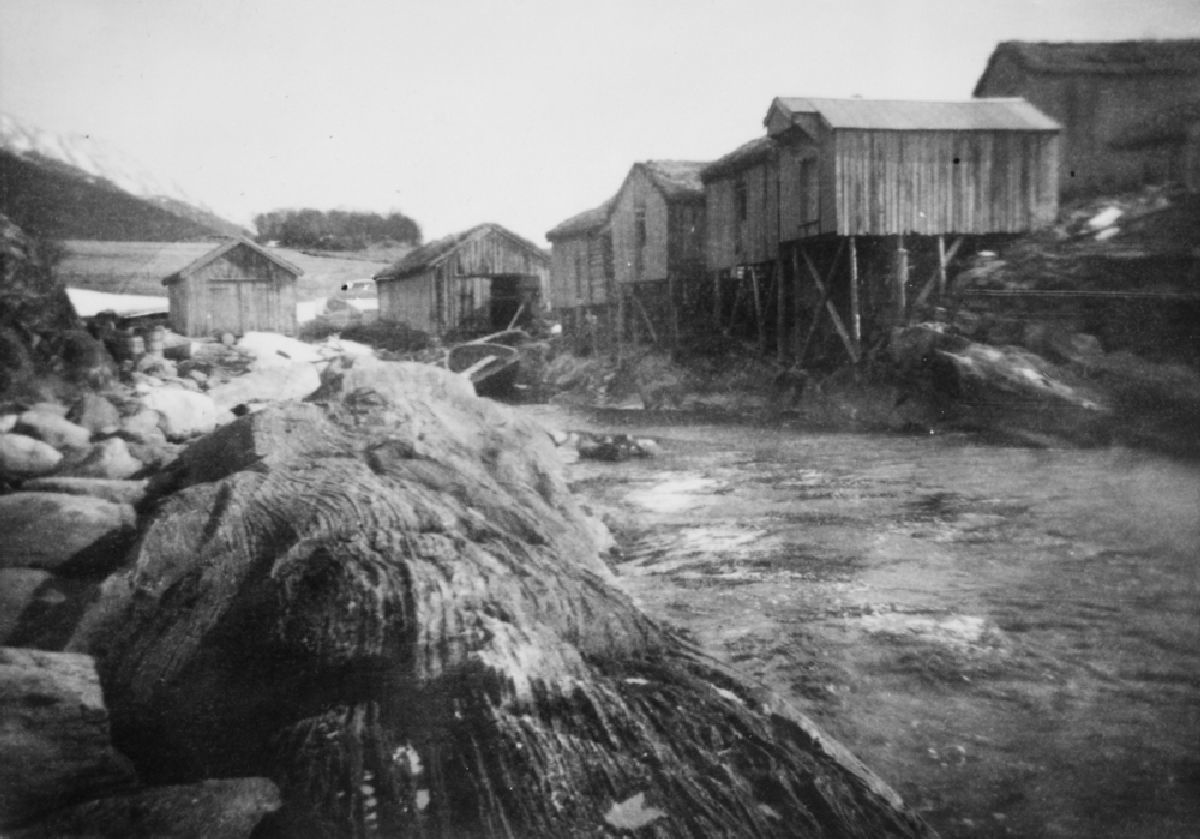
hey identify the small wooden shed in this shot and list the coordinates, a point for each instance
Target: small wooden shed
(1103, 93)
(235, 287)
(476, 281)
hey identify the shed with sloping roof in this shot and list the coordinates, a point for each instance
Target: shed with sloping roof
(235, 287)
(1101, 92)
(864, 167)
(476, 281)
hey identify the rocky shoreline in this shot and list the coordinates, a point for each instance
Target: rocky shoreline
(378, 609)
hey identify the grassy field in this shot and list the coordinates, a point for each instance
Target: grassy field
(139, 267)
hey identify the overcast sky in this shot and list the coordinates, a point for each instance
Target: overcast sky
(457, 112)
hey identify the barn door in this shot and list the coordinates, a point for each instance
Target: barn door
(224, 309)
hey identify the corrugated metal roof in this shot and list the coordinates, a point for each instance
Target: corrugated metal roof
(745, 155)
(584, 222)
(921, 115)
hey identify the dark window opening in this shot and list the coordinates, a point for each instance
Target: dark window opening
(741, 200)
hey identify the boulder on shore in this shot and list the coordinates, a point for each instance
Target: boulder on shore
(53, 429)
(54, 735)
(184, 413)
(24, 457)
(52, 531)
(108, 459)
(388, 601)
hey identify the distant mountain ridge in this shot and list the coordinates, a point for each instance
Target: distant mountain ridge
(78, 187)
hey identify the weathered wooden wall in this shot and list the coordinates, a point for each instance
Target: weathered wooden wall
(732, 240)
(581, 270)
(632, 262)
(455, 289)
(887, 183)
(240, 291)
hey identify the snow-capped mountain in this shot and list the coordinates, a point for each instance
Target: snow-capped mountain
(92, 155)
(101, 164)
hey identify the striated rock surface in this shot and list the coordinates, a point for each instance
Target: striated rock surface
(387, 601)
(54, 735)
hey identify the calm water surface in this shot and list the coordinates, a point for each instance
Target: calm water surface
(1010, 637)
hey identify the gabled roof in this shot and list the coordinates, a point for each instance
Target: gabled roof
(743, 157)
(676, 179)
(219, 251)
(919, 115)
(585, 222)
(420, 259)
(1100, 57)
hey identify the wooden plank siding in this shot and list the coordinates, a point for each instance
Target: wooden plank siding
(239, 290)
(581, 270)
(450, 283)
(672, 225)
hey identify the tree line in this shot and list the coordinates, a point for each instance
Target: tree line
(335, 230)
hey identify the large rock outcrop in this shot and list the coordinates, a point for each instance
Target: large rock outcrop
(387, 601)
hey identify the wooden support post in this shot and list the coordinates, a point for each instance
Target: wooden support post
(941, 269)
(855, 313)
(758, 312)
(717, 299)
(646, 316)
(672, 321)
(780, 310)
(826, 303)
(620, 323)
(939, 276)
(900, 282)
(799, 336)
(738, 291)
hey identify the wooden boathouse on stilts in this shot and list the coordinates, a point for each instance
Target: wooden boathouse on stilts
(845, 219)
(582, 289)
(657, 224)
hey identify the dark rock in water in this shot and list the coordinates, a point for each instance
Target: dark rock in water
(613, 448)
(54, 735)
(388, 602)
(228, 808)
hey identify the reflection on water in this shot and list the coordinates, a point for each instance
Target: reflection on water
(1011, 637)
